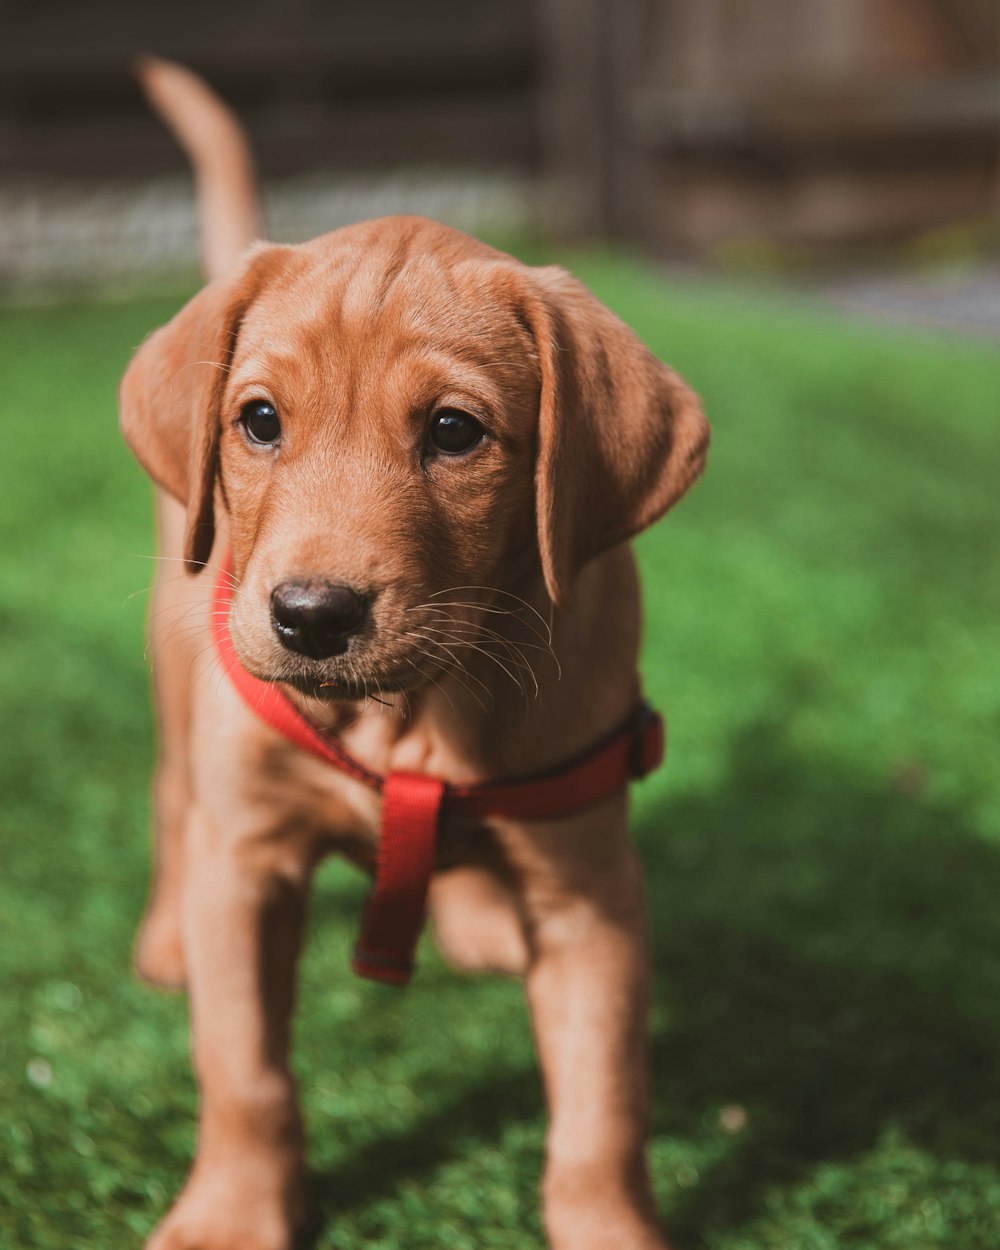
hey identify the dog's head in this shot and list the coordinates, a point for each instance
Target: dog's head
(396, 418)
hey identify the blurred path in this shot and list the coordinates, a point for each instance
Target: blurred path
(54, 236)
(58, 237)
(966, 300)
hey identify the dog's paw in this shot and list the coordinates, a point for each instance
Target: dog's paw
(188, 1233)
(603, 1226)
(225, 1211)
(159, 954)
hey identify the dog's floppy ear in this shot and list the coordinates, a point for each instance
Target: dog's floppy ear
(620, 437)
(170, 395)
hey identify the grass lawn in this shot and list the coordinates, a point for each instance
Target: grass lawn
(823, 848)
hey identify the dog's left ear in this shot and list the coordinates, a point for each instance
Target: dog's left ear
(621, 436)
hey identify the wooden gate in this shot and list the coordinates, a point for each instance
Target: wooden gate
(699, 124)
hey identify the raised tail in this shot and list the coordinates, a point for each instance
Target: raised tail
(217, 147)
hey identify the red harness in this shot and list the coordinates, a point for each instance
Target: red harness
(412, 803)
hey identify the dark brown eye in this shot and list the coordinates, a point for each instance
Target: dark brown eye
(260, 421)
(453, 432)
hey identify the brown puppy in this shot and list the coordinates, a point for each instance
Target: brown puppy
(460, 445)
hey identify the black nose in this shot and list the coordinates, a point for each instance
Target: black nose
(316, 618)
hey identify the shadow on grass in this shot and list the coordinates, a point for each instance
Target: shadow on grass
(826, 954)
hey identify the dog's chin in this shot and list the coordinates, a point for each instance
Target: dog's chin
(342, 680)
(333, 689)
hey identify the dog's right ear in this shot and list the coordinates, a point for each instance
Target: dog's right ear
(170, 395)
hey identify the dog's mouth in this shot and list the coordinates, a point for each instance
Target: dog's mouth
(359, 686)
(381, 662)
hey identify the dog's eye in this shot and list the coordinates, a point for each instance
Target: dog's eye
(453, 432)
(260, 421)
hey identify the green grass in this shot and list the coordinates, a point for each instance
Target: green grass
(823, 848)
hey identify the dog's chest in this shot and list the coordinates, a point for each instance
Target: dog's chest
(343, 814)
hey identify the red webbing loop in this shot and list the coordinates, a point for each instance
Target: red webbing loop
(394, 912)
(628, 755)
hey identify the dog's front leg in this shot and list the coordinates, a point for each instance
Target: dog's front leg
(587, 989)
(243, 910)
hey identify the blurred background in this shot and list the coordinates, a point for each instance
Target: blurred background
(763, 137)
(796, 205)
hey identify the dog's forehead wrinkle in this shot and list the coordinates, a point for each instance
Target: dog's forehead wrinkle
(385, 278)
(353, 299)
(410, 262)
(366, 363)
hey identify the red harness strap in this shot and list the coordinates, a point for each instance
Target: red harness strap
(412, 803)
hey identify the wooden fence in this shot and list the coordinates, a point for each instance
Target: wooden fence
(698, 123)
(689, 125)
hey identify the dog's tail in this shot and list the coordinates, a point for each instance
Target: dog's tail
(217, 147)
